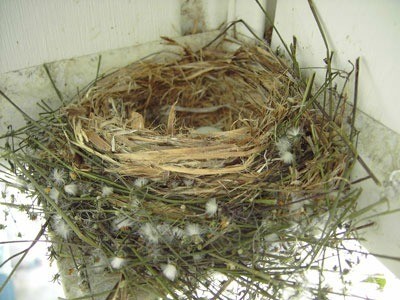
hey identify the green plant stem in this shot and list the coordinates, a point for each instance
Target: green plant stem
(355, 99)
(59, 95)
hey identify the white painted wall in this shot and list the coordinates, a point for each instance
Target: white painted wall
(37, 31)
(359, 28)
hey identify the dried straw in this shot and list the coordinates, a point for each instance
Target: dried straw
(145, 120)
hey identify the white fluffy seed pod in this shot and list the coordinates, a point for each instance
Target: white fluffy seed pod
(283, 145)
(141, 182)
(106, 191)
(192, 229)
(149, 233)
(211, 207)
(293, 132)
(71, 189)
(287, 157)
(58, 176)
(122, 223)
(118, 262)
(170, 271)
(54, 194)
(61, 228)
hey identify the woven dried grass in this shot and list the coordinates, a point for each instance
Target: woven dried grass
(213, 123)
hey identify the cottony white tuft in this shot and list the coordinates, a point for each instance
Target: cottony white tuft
(287, 157)
(283, 145)
(293, 132)
(60, 227)
(118, 262)
(192, 229)
(149, 233)
(106, 191)
(211, 207)
(141, 182)
(170, 271)
(71, 189)
(122, 223)
(58, 176)
(54, 194)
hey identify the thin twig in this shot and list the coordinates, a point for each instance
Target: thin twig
(54, 84)
(355, 99)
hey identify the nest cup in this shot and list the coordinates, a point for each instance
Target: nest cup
(213, 123)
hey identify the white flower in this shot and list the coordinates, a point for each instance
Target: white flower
(141, 182)
(211, 207)
(122, 223)
(54, 194)
(106, 191)
(283, 145)
(192, 229)
(118, 262)
(58, 176)
(60, 227)
(293, 132)
(149, 233)
(287, 157)
(170, 271)
(71, 189)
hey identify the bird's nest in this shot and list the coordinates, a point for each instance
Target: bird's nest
(168, 173)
